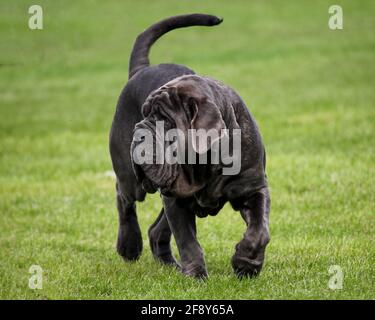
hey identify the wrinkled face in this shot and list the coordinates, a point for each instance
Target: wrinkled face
(181, 105)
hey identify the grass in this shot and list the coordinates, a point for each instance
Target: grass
(311, 90)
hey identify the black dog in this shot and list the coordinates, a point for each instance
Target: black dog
(184, 100)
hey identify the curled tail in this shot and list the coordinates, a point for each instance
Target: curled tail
(139, 56)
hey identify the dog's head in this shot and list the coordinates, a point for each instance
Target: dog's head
(184, 103)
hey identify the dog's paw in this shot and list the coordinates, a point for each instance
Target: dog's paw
(196, 271)
(249, 256)
(129, 244)
(167, 259)
(245, 267)
(161, 250)
(164, 257)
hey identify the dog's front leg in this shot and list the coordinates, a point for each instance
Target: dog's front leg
(182, 223)
(129, 239)
(249, 256)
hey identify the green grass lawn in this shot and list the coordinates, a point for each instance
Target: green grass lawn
(311, 90)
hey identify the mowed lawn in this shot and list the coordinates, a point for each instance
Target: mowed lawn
(311, 90)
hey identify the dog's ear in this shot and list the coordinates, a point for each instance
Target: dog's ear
(205, 116)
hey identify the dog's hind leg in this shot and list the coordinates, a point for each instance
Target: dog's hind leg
(249, 256)
(159, 235)
(129, 240)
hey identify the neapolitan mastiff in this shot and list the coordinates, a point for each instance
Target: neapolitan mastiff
(179, 98)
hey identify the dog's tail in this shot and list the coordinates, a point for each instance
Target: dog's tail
(139, 56)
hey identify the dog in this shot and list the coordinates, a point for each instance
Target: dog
(176, 96)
